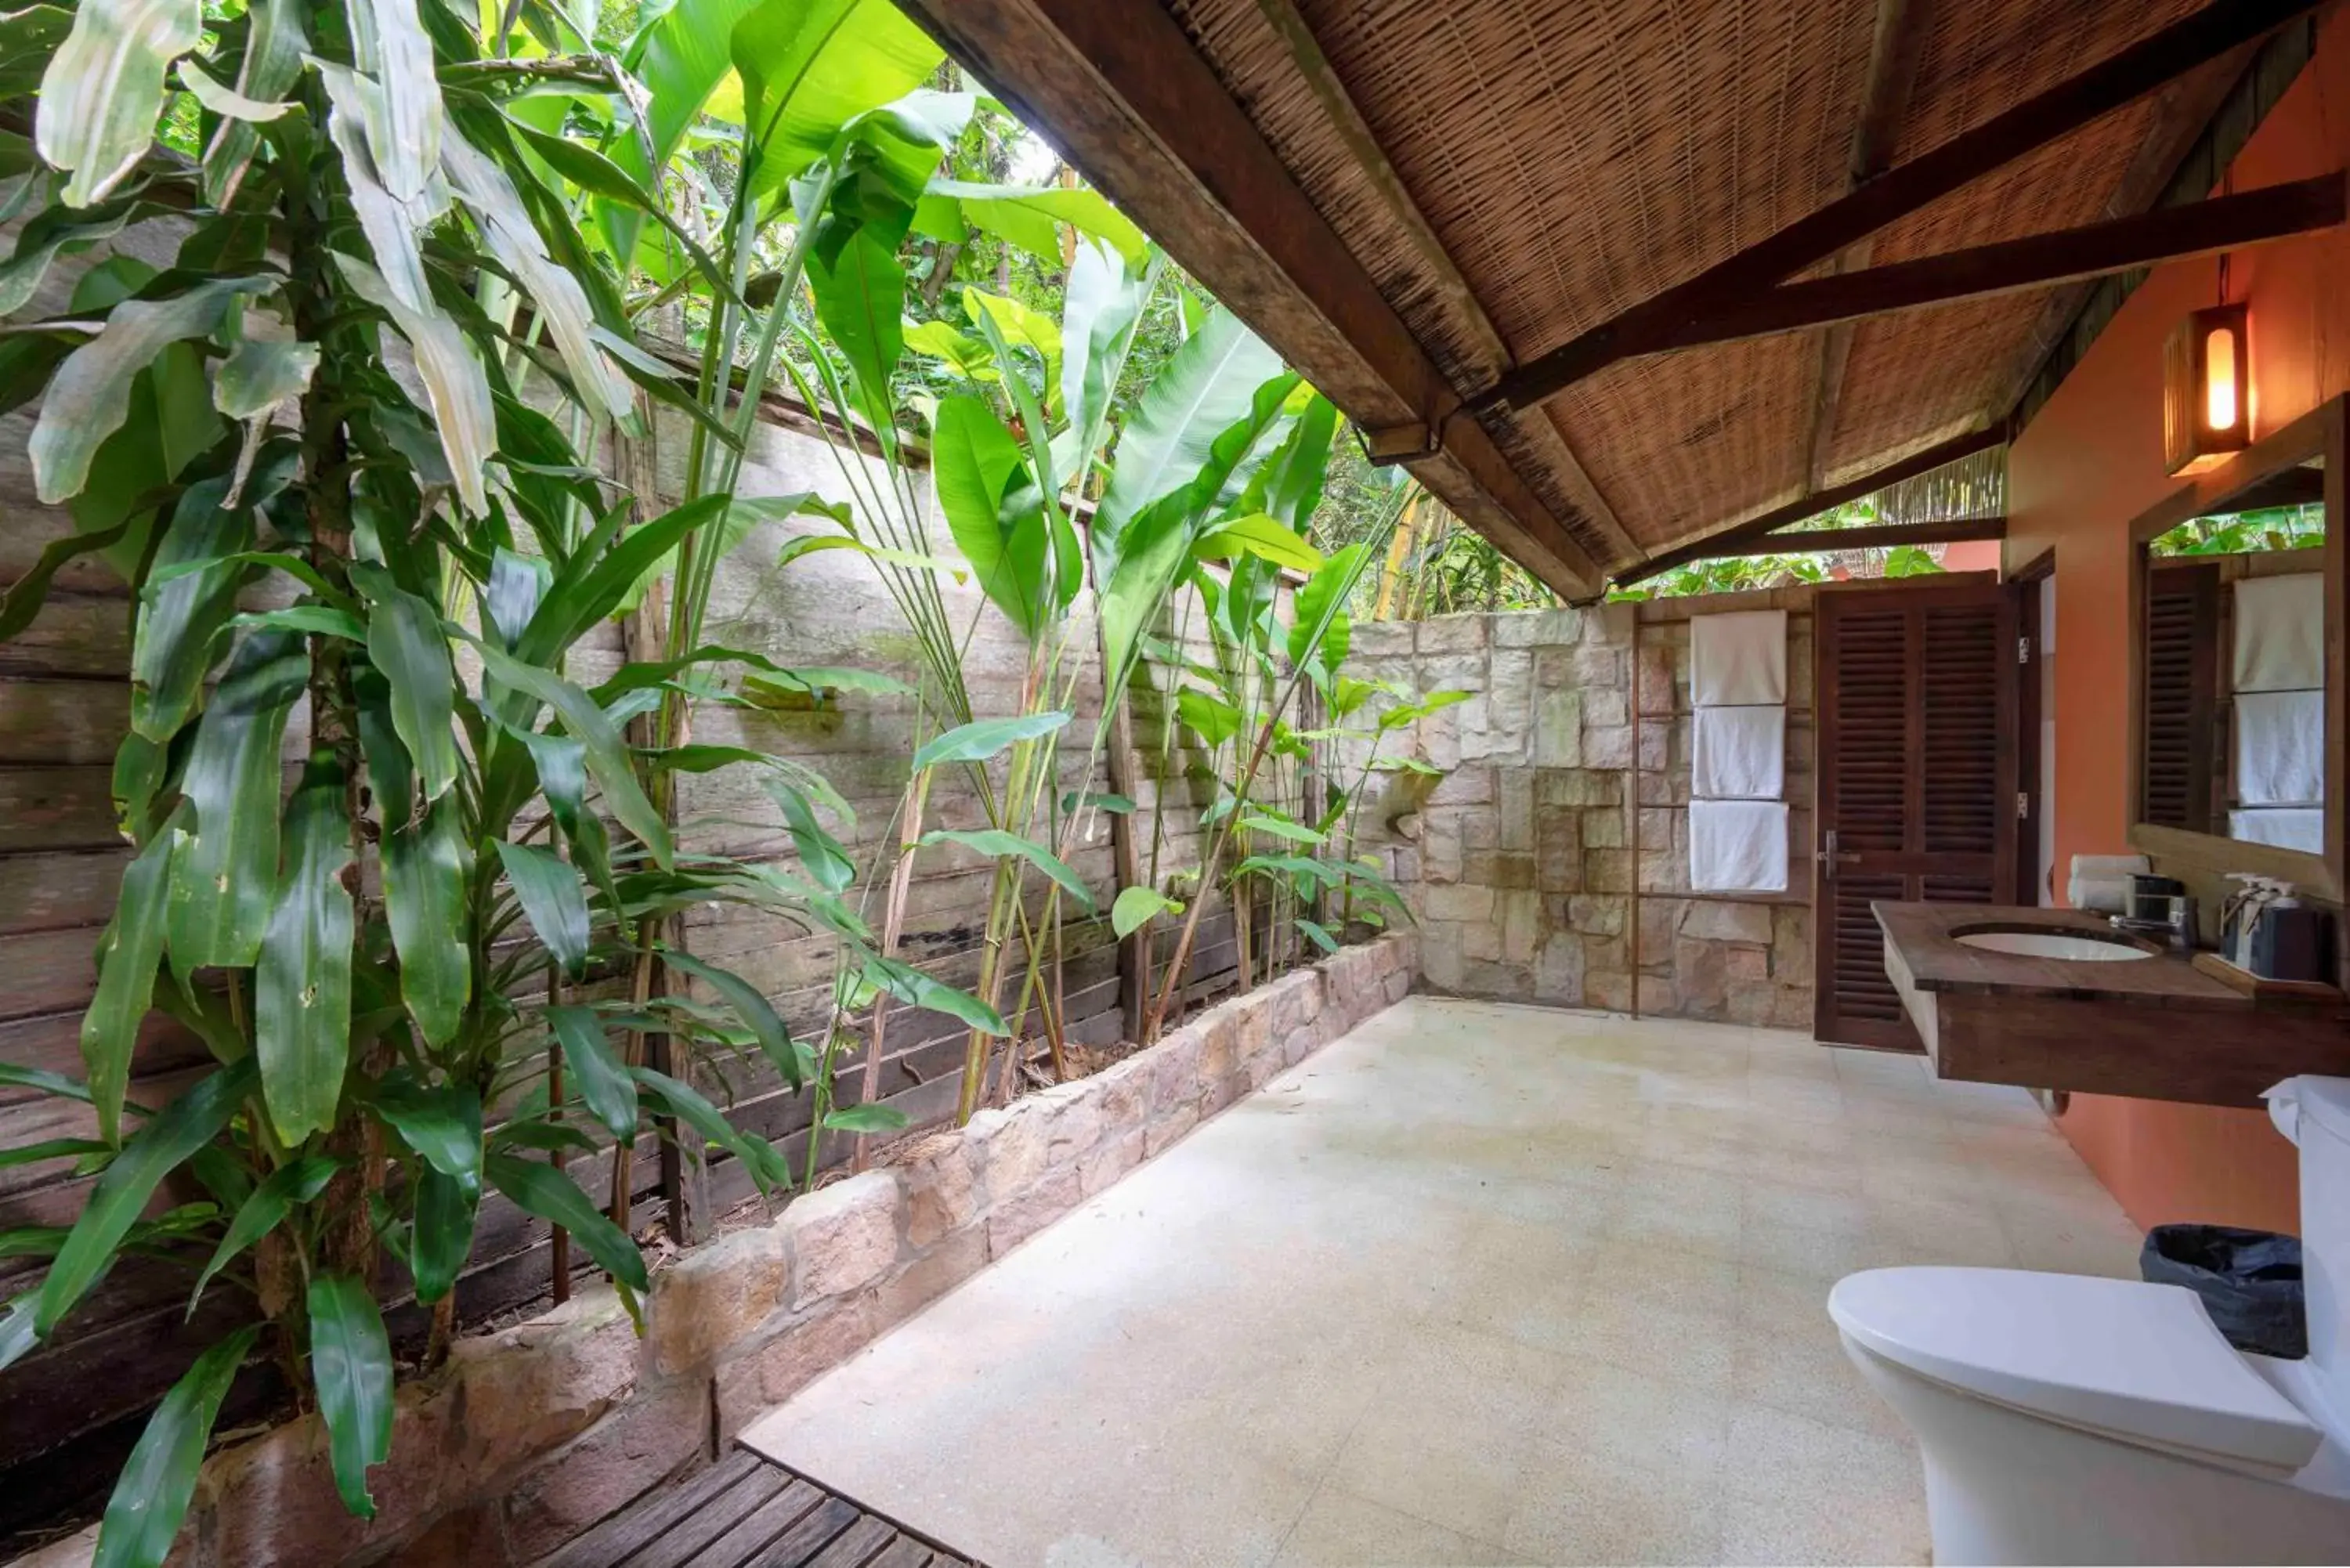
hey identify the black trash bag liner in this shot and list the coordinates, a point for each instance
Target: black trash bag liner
(2249, 1282)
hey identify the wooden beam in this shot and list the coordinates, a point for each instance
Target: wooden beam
(1347, 121)
(1811, 505)
(1118, 90)
(1895, 51)
(2037, 121)
(1799, 541)
(2117, 245)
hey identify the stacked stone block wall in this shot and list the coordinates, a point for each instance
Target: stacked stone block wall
(531, 1436)
(1520, 863)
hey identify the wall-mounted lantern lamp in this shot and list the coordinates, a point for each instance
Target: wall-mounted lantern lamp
(2206, 387)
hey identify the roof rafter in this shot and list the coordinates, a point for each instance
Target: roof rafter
(2116, 245)
(1904, 188)
(1801, 541)
(1895, 51)
(1118, 88)
(1347, 118)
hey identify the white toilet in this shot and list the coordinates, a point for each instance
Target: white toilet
(2070, 1419)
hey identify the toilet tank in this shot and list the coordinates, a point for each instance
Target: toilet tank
(2316, 1114)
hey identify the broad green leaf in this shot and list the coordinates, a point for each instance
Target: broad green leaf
(966, 356)
(822, 857)
(1030, 216)
(302, 987)
(158, 1148)
(159, 1481)
(224, 867)
(910, 985)
(681, 58)
(274, 46)
(1210, 381)
(1116, 805)
(595, 583)
(393, 223)
(53, 1148)
(1289, 485)
(455, 384)
(126, 959)
(603, 1083)
(541, 1189)
(425, 867)
(1101, 306)
(227, 103)
(47, 234)
(860, 297)
(760, 1158)
(1212, 718)
(824, 680)
(512, 238)
(1280, 828)
(406, 645)
(88, 398)
(17, 1335)
(440, 1124)
(554, 897)
(350, 1368)
(1012, 322)
(517, 586)
(1261, 535)
(105, 90)
(1317, 933)
(979, 741)
(607, 758)
(867, 1119)
(406, 127)
(758, 1016)
(442, 1234)
(28, 36)
(258, 376)
(1136, 907)
(973, 461)
(808, 67)
(1321, 604)
(16, 1075)
(313, 620)
(268, 1204)
(736, 517)
(996, 842)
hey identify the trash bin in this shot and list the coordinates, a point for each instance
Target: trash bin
(2249, 1282)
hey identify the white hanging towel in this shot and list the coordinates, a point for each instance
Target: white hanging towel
(2280, 748)
(1739, 753)
(1737, 846)
(2285, 827)
(2280, 633)
(1739, 659)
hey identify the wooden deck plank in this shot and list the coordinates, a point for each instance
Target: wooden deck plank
(810, 1535)
(904, 1553)
(746, 1541)
(632, 1530)
(766, 1489)
(859, 1544)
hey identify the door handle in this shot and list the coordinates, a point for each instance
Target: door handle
(1828, 858)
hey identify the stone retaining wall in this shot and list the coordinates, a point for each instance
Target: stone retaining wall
(532, 1435)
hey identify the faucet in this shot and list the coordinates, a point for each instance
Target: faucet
(2174, 929)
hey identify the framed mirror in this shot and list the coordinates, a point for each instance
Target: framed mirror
(2238, 699)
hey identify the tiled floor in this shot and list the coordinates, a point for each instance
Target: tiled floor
(1477, 1284)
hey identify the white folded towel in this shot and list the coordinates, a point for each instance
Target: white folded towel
(1738, 658)
(1739, 753)
(2280, 748)
(2101, 867)
(2280, 633)
(2285, 827)
(1737, 846)
(2099, 894)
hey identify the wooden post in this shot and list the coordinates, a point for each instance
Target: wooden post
(1632, 818)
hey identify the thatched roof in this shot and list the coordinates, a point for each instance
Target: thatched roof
(1483, 181)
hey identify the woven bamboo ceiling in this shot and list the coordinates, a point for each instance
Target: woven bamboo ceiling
(1414, 199)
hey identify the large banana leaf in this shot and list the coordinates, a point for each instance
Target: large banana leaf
(105, 88)
(151, 1495)
(974, 461)
(224, 867)
(127, 958)
(808, 67)
(1029, 216)
(860, 296)
(1100, 308)
(350, 1366)
(1207, 385)
(158, 1148)
(302, 987)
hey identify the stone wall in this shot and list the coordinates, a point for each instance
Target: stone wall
(531, 1436)
(1519, 863)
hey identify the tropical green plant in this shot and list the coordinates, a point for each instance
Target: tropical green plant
(367, 388)
(2238, 533)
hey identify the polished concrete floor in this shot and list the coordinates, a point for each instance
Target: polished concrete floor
(1476, 1284)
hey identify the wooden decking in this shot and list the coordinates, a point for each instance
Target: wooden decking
(746, 1511)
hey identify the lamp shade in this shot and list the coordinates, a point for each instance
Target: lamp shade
(2206, 387)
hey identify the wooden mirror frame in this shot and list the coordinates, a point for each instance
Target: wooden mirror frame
(2324, 431)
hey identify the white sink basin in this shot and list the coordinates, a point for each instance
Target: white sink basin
(2053, 945)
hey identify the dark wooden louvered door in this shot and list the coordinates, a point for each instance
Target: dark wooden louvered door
(2181, 698)
(1916, 707)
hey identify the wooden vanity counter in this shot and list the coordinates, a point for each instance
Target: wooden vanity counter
(2154, 1028)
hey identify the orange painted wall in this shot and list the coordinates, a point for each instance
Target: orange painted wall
(2090, 462)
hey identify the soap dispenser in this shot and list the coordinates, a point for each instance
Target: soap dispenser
(2288, 939)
